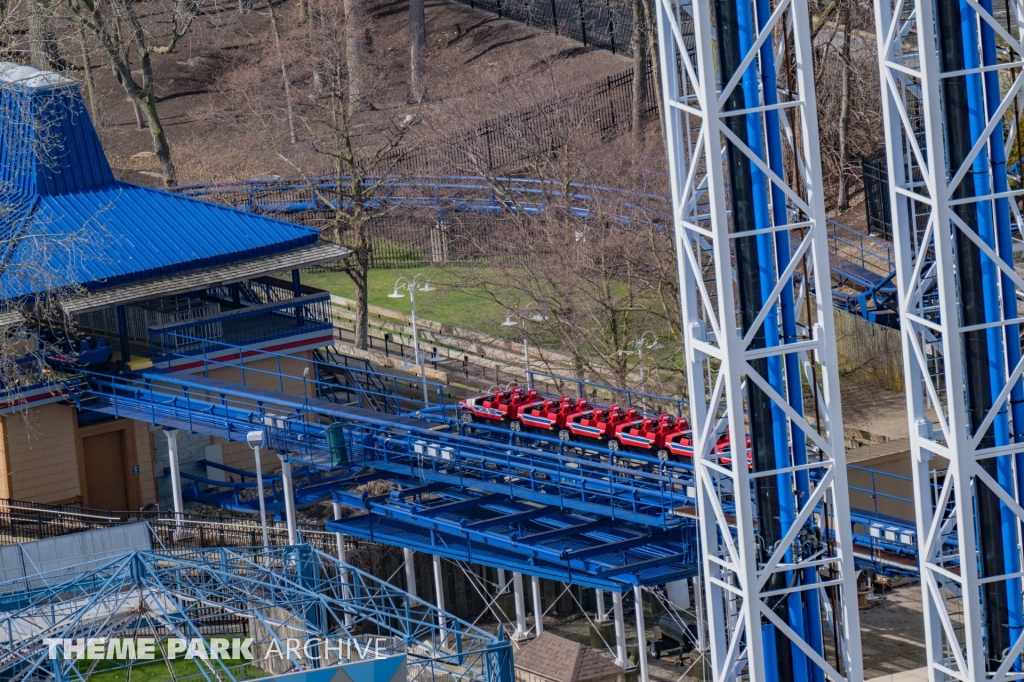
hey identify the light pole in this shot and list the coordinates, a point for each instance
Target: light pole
(412, 285)
(255, 440)
(509, 322)
(647, 341)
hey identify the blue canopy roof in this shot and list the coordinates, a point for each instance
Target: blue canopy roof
(65, 220)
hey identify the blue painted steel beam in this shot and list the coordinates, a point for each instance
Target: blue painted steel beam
(401, 528)
(387, 444)
(556, 533)
(511, 519)
(459, 505)
(615, 546)
(590, 547)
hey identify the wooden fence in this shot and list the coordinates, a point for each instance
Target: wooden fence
(869, 349)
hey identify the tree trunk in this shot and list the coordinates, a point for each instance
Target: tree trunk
(354, 52)
(358, 271)
(284, 72)
(417, 48)
(90, 82)
(42, 46)
(163, 151)
(362, 318)
(844, 115)
(652, 53)
(311, 33)
(638, 44)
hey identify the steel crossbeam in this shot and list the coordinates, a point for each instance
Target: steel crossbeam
(751, 234)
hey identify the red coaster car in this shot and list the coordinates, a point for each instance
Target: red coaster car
(724, 448)
(649, 434)
(681, 445)
(598, 423)
(501, 406)
(550, 414)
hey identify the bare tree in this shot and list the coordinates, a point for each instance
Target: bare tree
(639, 44)
(595, 264)
(846, 84)
(844, 112)
(284, 71)
(356, 148)
(90, 82)
(355, 50)
(145, 28)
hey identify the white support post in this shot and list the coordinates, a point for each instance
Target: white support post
(641, 632)
(599, 611)
(439, 590)
(521, 632)
(289, 500)
(502, 581)
(172, 457)
(779, 168)
(621, 656)
(410, 571)
(346, 590)
(538, 606)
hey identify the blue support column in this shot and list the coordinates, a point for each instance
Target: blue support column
(297, 290)
(122, 334)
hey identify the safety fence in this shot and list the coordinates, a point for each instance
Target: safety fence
(603, 24)
(23, 521)
(875, 174)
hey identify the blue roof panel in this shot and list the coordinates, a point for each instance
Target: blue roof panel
(88, 229)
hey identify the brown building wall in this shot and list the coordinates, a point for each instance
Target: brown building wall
(41, 451)
(39, 455)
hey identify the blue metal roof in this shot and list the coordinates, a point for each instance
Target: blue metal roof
(74, 221)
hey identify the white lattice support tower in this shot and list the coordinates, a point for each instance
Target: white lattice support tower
(944, 88)
(759, 592)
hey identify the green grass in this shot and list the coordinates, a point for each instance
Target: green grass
(156, 671)
(450, 304)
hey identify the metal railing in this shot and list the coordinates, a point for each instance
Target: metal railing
(371, 387)
(645, 402)
(23, 521)
(250, 325)
(861, 249)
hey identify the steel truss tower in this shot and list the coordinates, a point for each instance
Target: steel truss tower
(750, 228)
(946, 87)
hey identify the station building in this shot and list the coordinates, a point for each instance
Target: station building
(131, 279)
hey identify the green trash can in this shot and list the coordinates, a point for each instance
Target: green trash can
(335, 434)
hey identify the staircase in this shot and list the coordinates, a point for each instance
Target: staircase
(353, 382)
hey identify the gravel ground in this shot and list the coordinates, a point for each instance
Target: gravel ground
(892, 633)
